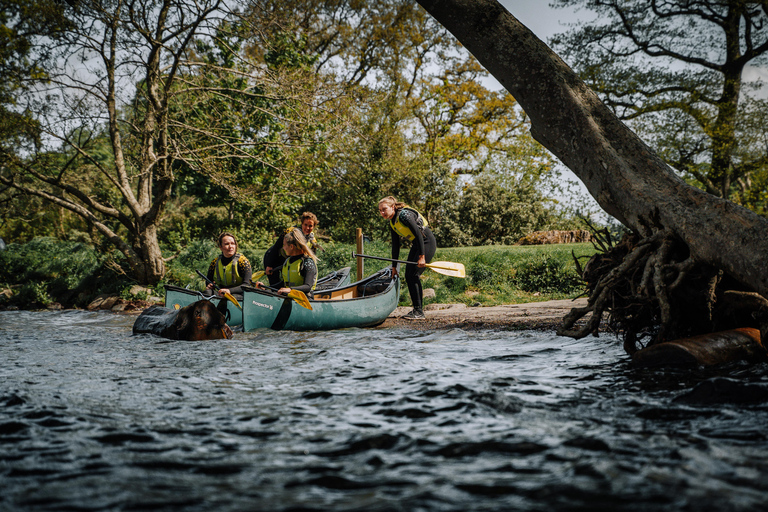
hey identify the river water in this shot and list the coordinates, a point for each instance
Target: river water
(95, 419)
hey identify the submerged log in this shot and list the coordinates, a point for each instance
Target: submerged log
(198, 321)
(705, 350)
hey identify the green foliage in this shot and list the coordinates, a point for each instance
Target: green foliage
(46, 270)
(546, 274)
(50, 270)
(676, 74)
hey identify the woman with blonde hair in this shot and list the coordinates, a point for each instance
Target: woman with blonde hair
(407, 223)
(299, 272)
(274, 257)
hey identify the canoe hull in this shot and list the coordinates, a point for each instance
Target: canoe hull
(176, 297)
(353, 307)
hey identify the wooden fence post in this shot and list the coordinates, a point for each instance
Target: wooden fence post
(359, 239)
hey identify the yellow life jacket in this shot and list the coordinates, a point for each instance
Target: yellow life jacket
(228, 275)
(402, 230)
(291, 273)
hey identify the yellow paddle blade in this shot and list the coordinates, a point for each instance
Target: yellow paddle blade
(233, 300)
(448, 268)
(257, 275)
(300, 298)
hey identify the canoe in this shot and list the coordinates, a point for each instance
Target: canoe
(177, 297)
(366, 303)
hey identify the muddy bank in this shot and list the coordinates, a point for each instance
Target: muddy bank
(545, 315)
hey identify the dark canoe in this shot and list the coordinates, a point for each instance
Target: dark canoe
(176, 297)
(365, 303)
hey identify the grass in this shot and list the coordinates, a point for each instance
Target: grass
(45, 271)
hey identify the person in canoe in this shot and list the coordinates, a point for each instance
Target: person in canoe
(407, 223)
(230, 270)
(300, 269)
(274, 257)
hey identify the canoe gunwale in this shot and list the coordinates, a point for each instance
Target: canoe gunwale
(268, 309)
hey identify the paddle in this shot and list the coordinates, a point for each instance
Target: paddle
(447, 268)
(261, 273)
(297, 295)
(228, 295)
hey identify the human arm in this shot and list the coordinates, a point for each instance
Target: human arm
(309, 273)
(211, 274)
(245, 271)
(273, 258)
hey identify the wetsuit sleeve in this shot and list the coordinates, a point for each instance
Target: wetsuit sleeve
(212, 270)
(395, 245)
(409, 218)
(309, 272)
(273, 258)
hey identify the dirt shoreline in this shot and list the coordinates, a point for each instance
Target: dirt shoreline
(546, 315)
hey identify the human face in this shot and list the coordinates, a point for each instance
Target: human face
(386, 210)
(307, 226)
(228, 246)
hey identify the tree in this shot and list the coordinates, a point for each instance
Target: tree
(693, 257)
(678, 66)
(128, 72)
(422, 114)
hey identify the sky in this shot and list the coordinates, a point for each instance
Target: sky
(538, 16)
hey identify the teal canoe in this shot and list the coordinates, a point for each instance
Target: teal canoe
(177, 297)
(365, 303)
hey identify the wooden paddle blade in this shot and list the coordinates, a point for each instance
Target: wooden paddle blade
(448, 268)
(231, 298)
(300, 298)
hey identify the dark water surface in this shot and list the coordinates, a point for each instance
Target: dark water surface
(93, 418)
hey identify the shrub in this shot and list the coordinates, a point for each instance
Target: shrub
(546, 274)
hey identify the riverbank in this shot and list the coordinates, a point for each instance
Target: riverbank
(545, 315)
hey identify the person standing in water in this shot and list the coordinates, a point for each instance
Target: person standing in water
(407, 223)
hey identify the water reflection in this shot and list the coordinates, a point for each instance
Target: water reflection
(93, 418)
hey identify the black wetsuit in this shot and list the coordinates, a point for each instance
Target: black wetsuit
(424, 243)
(308, 272)
(274, 256)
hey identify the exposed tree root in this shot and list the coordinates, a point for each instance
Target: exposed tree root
(653, 291)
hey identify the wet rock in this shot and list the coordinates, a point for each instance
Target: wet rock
(195, 322)
(102, 302)
(724, 390)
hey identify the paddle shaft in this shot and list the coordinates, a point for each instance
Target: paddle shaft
(389, 259)
(229, 296)
(205, 278)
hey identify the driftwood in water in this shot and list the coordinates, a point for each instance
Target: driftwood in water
(705, 350)
(198, 321)
(693, 255)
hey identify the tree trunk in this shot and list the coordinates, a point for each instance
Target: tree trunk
(627, 179)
